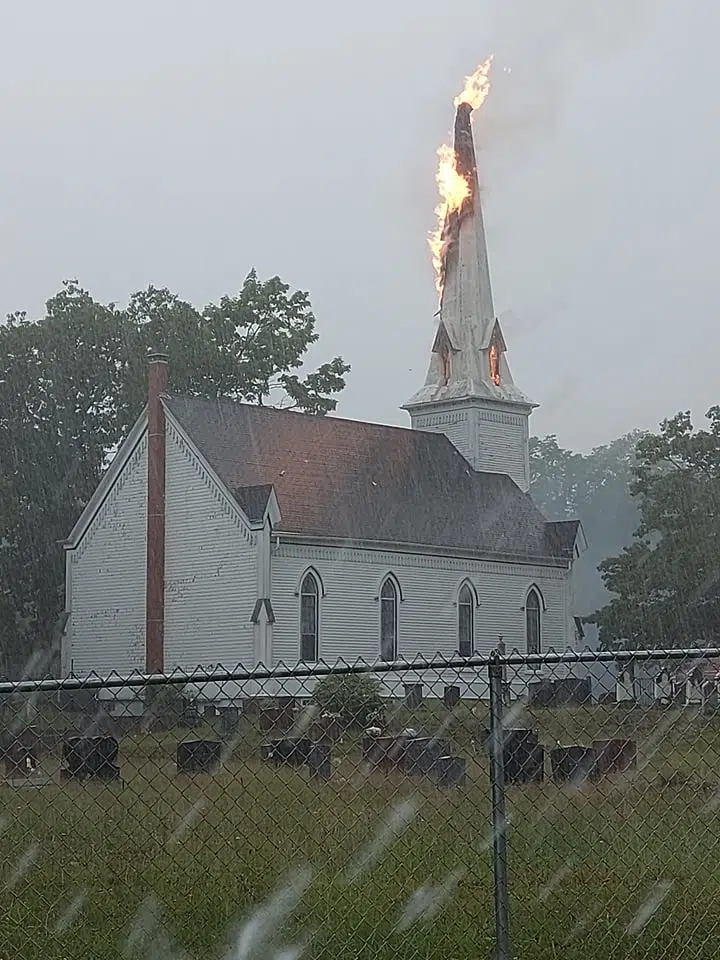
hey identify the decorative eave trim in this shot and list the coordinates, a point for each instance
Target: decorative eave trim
(264, 603)
(107, 482)
(272, 510)
(441, 404)
(581, 540)
(419, 548)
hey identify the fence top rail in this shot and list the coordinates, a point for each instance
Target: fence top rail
(419, 665)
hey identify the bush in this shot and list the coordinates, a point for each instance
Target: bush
(166, 703)
(356, 697)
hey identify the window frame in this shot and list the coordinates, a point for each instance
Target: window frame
(537, 610)
(470, 603)
(315, 594)
(391, 583)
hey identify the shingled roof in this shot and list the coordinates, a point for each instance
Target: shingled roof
(347, 480)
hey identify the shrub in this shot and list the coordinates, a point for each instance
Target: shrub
(356, 697)
(166, 703)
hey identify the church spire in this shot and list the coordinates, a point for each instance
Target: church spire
(468, 371)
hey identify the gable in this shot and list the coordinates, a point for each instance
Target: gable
(126, 451)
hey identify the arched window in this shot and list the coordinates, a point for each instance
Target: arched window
(309, 618)
(466, 621)
(388, 621)
(533, 622)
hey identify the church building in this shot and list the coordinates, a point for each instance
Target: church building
(225, 533)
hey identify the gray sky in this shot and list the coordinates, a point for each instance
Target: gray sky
(179, 143)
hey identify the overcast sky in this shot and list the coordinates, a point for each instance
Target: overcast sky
(180, 143)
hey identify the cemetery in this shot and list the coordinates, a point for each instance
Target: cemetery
(624, 792)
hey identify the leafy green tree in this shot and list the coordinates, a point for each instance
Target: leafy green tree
(595, 489)
(665, 585)
(72, 384)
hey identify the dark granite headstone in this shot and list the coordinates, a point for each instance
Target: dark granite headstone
(523, 756)
(228, 721)
(413, 695)
(573, 764)
(421, 753)
(451, 697)
(292, 752)
(615, 756)
(90, 758)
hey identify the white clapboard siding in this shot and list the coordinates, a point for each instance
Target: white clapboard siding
(428, 613)
(210, 568)
(491, 439)
(107, 578)
(458, 425)
(502, 443)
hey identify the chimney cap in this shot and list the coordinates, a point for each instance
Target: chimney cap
(157, 355)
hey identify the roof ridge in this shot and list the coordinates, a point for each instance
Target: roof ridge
(329, 417)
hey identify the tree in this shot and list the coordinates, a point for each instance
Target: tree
(665, 584)
(73, 383)
(593, 488)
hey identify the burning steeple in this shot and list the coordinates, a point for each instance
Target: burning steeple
(468, 375)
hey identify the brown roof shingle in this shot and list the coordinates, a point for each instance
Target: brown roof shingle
(344, 479)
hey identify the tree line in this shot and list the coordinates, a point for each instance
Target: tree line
(72, 384)
(650, 506)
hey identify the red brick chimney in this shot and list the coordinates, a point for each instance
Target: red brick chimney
(155, 584)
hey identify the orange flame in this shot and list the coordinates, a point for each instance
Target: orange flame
(477, 86)
(452, 185)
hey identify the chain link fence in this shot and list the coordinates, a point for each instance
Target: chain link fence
(541, 807)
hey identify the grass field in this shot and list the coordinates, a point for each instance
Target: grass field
(79, 862)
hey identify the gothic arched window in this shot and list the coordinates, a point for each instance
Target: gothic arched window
(309, 618)
(388, 621)
(533, 622)
(466, 621)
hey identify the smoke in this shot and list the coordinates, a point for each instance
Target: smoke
(542, 50)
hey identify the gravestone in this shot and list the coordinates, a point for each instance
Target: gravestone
(292, 752)
(615, 756)
(523, 756)
(228, 721)
(413, 695)
(541, 693)
(419, 754)
(385, 753)
(198, 756)
(90, 758)
(573, 764)
(451, 697)
(190, 718)
(276, 718)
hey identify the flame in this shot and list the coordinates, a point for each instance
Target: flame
(477, 86)
(454, 189)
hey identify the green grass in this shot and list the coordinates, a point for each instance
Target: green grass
(602, 849)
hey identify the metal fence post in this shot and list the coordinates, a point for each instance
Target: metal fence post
(499, 817)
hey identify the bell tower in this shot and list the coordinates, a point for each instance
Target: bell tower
(469, 393)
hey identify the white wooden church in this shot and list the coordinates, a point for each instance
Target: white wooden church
(226, 534)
